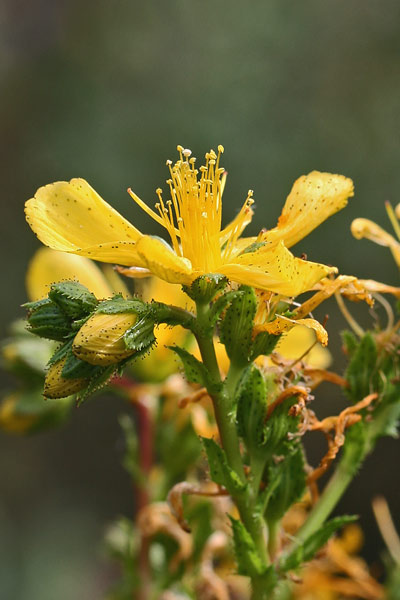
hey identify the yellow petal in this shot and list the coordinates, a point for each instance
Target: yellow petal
(72, 217)
(115, 282)
(242, 244)
(313, 198)
(239, 223)
(347, 285)
(50, 266)
(273, 267)
(163, 262)
(283, 324)
(100, 341)
(297, 341)
(375, 286)
(364, 228)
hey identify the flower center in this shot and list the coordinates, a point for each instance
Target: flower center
(192, 216)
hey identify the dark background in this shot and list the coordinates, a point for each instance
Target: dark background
(105, 91)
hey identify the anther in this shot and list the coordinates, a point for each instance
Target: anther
(186, 152)
(168, 162)
(221, 149)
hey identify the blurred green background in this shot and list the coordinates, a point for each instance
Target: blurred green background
(105, 91)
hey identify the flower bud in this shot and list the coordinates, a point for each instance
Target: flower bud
(57, 386)
(73, 298)
(101, 339)
(49, 321)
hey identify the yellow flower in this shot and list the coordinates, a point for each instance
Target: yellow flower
(364, 228)
(49, 266)
(297, 341)
(11, 420)
(73, 218)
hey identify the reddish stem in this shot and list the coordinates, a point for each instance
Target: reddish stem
(140, 490)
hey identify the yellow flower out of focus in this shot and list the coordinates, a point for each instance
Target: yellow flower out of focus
(73, 218)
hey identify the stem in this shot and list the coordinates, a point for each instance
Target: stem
(273, 538)
(223, 403)
(331, 495)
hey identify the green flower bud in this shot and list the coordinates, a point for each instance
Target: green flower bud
(49, 321)
(73, 298)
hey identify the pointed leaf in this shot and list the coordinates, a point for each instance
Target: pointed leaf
(248, 560)
(252, 408)
(195, 371)
(307, 550)
(220, 471)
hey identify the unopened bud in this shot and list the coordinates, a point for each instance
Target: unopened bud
(74, 299)
(48, 320)
(101, 339)
(58, 386)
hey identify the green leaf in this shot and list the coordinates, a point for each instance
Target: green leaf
(62, 351)
(279, 424)
(292, 483)
(99, 379)
(237, 326)
(195, 371)
(252, 408)
(220, 305)
(308, 549)
(74, 368)
(74, 299)
(248, 560)
(264, 344)
(361, 373)
(141, 335)
(118, 305)
(220, 471)
(350, 342)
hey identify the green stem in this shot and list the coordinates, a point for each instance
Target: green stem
(273, 537)
(331, 495)
(221, 399)
(351, 460)
(223, 403)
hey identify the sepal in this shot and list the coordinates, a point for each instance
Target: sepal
(73, 298)
(204, 288)
(237, 326)
(49, 321)
(252, 409)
